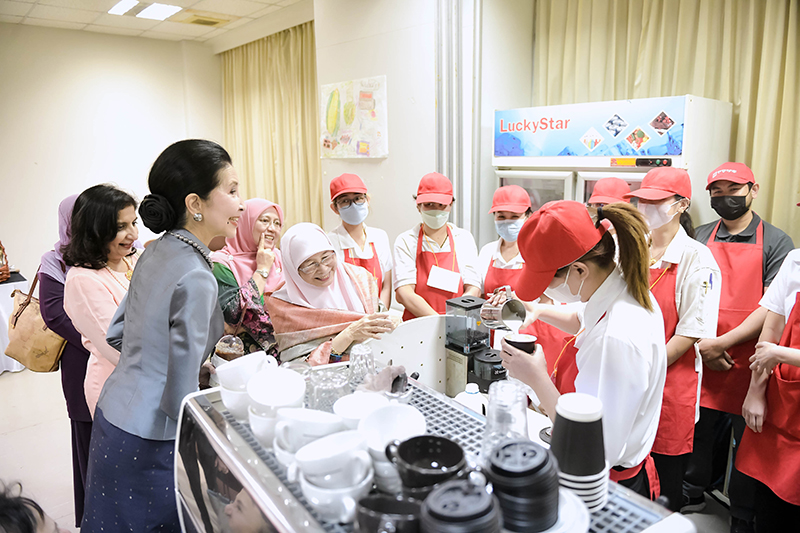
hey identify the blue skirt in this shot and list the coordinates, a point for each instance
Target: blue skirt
(130, 484)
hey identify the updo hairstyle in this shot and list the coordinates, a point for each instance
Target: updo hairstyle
(186, 167)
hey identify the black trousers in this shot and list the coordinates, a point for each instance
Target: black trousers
(81, 435)
(711, 448)
(638, 483)
(671, 469)
(774, 515)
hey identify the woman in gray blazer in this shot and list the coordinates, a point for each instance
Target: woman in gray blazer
(164, 328)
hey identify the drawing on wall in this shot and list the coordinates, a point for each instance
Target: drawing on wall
(353, 115)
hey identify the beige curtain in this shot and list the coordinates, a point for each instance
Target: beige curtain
(740, 51)
(270, 121)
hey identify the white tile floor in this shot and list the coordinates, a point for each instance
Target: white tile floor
(35, 448)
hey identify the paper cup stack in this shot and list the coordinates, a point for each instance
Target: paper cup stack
(577, 444)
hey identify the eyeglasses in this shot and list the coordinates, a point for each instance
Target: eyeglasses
(267, 222)
(326, 260)
(344, 203)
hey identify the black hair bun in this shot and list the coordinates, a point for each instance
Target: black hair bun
(157, 213)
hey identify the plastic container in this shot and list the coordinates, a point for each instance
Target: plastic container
(472, 399)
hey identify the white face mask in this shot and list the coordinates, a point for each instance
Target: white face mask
(435, 219)
(354, 214)
(562, 293)
(509, 229)
(657, 215)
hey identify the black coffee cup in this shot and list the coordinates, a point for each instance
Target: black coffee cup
(384, 513)
(426, 460)
(523, 341)
(577, 440)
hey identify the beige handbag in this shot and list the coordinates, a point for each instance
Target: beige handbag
(31, 342)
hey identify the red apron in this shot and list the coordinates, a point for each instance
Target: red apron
(742, 269)
(373, 264)
(500, 277)
(675, 434)
(773, 456)
(436, 298)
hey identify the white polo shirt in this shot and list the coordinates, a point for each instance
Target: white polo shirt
(782, 292)
(342, 241)
(405, 255)
(490, 254)
(697, 288)
(622, 360)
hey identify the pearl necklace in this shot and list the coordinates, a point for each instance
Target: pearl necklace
(195, 246)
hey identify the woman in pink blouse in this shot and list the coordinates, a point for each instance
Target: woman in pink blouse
(102, 258)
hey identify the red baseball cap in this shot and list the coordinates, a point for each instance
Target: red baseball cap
(346, 183)
(735, 172)
(553, 237)
(435, 188)
(663, 182)
(610, 191)
(511, 198)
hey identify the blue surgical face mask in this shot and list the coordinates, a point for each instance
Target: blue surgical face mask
(509, 229)
(354, 214)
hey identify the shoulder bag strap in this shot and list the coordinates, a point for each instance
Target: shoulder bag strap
(27, 301)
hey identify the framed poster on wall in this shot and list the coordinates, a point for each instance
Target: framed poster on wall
(353, 119)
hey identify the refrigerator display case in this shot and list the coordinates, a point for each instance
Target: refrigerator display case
(568, 148)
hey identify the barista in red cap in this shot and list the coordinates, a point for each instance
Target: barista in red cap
(499, 262)
(621, 355)
(609, 191)
(434, 261)
(354, 241)
(749, 252)
(685, 280)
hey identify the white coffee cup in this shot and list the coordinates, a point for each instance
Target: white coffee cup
(272, 389)
(336, 505)
(284, 457)
(353, 407)
(236, 401)
(263, 427)
(335, 461)
(394, 421)
(235, 374)
(297, 427)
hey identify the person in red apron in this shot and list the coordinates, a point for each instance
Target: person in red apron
(770, 448)
(621, 354)
(685, 280)
(435, 261)
(749, 252)
(354, 241)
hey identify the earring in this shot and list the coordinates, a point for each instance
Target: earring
(198, 217)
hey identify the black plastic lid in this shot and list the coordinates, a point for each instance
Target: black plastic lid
(489, 356)
(458, 501)
(519, 457)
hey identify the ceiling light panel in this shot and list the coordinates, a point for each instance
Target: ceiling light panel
(158, 11)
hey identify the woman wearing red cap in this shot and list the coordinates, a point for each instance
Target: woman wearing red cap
(770, 448)
(621, 357)
(354, 241)
(686, 282)
(609, 191)
(434, 261)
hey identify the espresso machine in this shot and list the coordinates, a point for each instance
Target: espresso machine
(470, 358)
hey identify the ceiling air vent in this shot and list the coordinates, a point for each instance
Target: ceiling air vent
(204, 21)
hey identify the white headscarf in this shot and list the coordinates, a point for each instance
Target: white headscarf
(300, 242)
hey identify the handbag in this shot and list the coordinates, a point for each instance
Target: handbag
(5, 272)
(30, 341)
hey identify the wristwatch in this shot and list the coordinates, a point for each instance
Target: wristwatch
(264, 272)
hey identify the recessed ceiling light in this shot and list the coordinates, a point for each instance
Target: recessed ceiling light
(158, 11)
(122, 7)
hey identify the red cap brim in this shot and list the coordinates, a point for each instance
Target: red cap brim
(437, 198)
(532, 282)
(514, 208)
(361, 190)
(728, 177)
(607, 200)
(650, 194)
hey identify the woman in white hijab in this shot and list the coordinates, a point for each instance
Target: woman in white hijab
(325, 306)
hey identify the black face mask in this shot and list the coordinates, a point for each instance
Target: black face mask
(729, 207)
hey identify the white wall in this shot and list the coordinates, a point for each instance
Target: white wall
(80, 108)
(361, 38)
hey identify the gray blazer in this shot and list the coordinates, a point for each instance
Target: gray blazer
(167, 324)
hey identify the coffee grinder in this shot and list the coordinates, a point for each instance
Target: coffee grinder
(470, 358)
